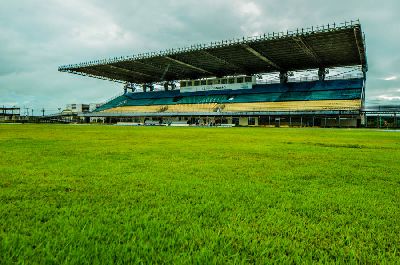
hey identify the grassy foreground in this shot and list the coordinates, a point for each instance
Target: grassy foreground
(107, 194)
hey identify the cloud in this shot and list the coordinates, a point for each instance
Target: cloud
(390, 78)
(248, 9)
(388, 97)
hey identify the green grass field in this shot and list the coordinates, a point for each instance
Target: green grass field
(107, 194)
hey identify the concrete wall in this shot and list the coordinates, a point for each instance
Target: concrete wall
(342, 123)
(243, 121)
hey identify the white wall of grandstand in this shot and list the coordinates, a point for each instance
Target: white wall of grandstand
(247, 82)
(233, 83)
(81, 108)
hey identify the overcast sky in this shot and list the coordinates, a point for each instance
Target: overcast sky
(37, 36)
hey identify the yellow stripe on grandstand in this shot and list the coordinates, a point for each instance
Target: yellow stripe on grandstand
(244, 107)
(295, 105)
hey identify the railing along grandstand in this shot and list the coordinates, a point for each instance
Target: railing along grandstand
(112, 98)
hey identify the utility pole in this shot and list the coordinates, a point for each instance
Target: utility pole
(32, 112)
(43, 111)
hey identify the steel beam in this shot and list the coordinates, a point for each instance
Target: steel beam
(120, 75)
(223, 61)
(307, 49)
(360, 48)
(188, 65)
(149, 65)
(127, 70)
(262, 57)
(99, 75)
(161, 71)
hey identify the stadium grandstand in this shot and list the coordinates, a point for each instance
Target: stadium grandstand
(308, 77)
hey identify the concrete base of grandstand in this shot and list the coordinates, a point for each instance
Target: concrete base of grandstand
(345, 120)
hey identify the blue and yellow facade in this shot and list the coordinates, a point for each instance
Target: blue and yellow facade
(333, 95)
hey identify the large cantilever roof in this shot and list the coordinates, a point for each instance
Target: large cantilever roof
(324, 46)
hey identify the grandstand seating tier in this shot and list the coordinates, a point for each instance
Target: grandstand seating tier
(290, 96)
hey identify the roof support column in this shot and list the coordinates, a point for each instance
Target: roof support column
(364, 70)
(166, 86)
(169, 84)
(321, 73)
(148, 86)
(128, 86)
(283, 77)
